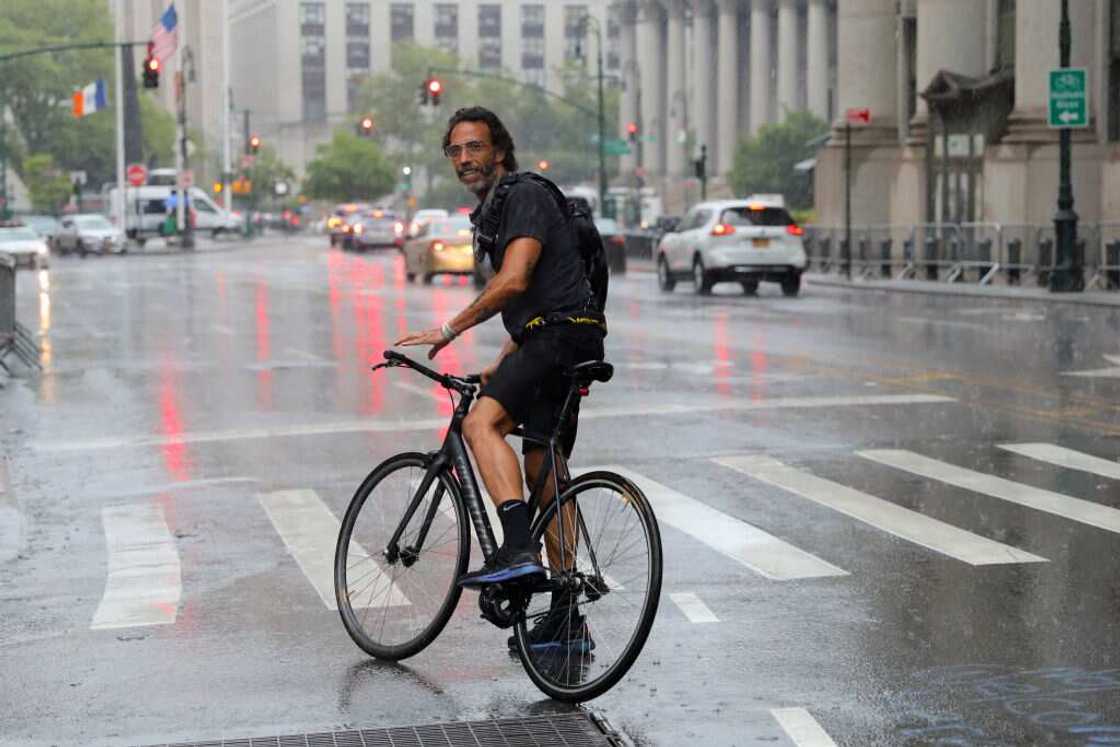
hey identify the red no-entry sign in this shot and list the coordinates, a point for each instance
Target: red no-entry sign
(859, 117)
(137, 174)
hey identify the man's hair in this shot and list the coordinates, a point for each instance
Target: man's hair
(499, 135)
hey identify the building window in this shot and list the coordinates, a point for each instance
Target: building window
(357, 19)
(532, 54)
(357, 54)
(313, 59)
(312, 19)
(447, 27)
(574, 32)
(1005, 35)
(532, 21)
(614, 39)
(490, 36)
(401, 22)
(1114, 72)
(354, 84)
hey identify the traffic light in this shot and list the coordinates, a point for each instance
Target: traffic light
(254, 144)
(424, 93)
(217, 188)
(435, 88)
(151, 69)
(632, 131)
(365, 127)
(543, 165)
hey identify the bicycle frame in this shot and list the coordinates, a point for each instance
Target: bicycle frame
(453, 452)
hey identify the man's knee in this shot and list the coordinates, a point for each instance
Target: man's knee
(485, 419)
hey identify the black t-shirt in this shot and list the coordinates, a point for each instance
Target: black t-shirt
(559, 282)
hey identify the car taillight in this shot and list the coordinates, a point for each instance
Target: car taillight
(617, 240)
(722, 229)
(795, 230)
(437, 246)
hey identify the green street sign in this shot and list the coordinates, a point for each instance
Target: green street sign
(1069, 97)
(616, 147)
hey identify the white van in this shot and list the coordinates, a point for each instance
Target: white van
(147, 209)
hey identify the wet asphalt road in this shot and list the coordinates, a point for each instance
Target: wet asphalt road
(954, 462)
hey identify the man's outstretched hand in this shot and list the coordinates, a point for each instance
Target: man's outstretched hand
(433, 337)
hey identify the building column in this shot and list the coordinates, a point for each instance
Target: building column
(703, 29)
(817, 59)
(952, 35)
(728, 77)
(760, 63)
(677, 98)
(787, 59)
(650, 46)
(631, 82)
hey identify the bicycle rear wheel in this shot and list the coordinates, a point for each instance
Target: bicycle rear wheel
(612, 569)
(393, 607)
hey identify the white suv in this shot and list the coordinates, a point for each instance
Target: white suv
(745, 240)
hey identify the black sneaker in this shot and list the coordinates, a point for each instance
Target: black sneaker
(559, 629)
(506, 565)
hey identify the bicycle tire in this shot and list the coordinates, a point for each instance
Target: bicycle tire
(401, 594)
(551, 670)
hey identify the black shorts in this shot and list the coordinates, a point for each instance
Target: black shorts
(530, 385)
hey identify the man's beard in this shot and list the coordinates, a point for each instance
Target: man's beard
(482, 186)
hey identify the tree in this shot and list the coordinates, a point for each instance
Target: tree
(49, 188)
(267, 170)
(764, 163)
(348, 168)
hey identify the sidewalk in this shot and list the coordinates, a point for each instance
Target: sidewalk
(1020, 293)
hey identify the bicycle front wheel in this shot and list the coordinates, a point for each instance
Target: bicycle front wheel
(604, 549)
(394, 602)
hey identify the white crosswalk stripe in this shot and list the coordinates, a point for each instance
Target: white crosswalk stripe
(693, 608)
(763, 553)
(1075, 509)
(144, 582)
(1063, 457)
(802, 728)
(310, 532)
(881, 514)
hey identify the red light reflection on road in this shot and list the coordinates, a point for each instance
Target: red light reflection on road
(175, 454)
(264, 348)
(725, 361)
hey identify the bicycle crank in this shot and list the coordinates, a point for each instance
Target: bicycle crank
(502, 605)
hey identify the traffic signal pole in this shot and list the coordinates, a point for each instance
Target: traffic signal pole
(1068, 274)
(122, 186)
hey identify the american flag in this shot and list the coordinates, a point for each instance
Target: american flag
(165, 36)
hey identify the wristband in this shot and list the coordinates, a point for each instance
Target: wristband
(447, 332)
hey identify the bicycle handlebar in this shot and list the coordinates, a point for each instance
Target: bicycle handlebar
(449, 381)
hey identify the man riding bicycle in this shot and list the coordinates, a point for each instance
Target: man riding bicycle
(540, 281)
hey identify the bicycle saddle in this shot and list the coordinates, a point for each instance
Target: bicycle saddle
(589, 371)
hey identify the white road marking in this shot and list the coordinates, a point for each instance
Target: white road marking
(1112, 372)
(1075, 509)
(1064, 457)
(401, 426)
(694, 609)
(310, 532)
(304, 354)
(144, 582)
(760, 551)
(891, 518)
(800, 726)
(222, 329)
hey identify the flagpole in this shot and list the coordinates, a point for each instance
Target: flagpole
(122, 197)
(180, 126)
(227, 105)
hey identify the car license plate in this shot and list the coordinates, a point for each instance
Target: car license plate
(760, 243)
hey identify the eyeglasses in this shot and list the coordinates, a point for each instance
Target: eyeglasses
(473, 148)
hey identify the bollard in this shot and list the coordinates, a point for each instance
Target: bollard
(931, 245)
(845, 257)
(825, 255)
(1014, 259)
(984, 256)
(1112, 259)
(1045, 261)
(885, 257)
(7, 299)
(908, 250)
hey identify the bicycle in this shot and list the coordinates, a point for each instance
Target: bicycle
(603, 540)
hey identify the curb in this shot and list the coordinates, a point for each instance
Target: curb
(10, 520)
(1085, 298)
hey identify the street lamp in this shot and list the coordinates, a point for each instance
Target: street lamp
(1068, 274)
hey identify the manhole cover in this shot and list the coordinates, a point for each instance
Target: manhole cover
(566, 730)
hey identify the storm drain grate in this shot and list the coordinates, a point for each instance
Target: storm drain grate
(565, 730)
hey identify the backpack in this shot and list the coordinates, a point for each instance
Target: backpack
(578, 214)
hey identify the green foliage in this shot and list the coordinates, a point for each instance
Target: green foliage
(542, 126)
(764, 163)
(159, 132)
(267, 170)
(348, 167)
(50, 189)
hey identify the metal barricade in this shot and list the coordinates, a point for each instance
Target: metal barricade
(13, 337)
(1106, 258)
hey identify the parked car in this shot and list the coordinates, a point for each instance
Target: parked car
(442, 246)
(46, 226)
(377, 228)
(89, 232)
(745, 240)
(24, 245)
(614, 242)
